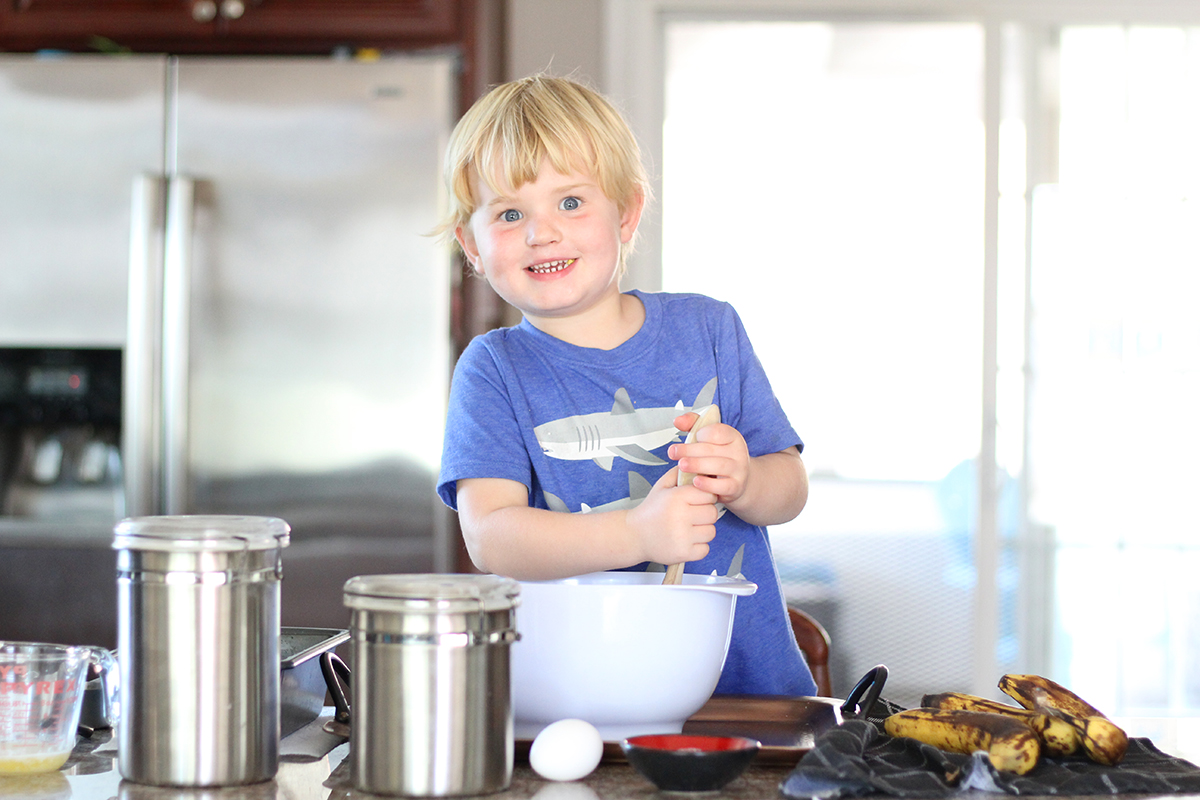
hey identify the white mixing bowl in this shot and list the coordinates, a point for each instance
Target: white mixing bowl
(620, 650)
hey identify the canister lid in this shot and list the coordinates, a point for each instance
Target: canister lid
(431, 593)
(200, 533)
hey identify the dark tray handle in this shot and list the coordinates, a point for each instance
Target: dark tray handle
(871, 685)
(336, 674)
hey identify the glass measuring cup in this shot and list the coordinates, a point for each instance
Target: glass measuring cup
(41, 691)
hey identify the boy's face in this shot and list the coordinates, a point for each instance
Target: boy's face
(551, 247)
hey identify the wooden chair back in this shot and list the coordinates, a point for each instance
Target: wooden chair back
(814, 644)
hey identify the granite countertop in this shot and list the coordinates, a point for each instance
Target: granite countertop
(314, 766)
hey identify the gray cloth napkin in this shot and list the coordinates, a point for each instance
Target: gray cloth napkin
(855, 759)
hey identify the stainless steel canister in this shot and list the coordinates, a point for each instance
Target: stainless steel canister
(198, 643)
(432, 699)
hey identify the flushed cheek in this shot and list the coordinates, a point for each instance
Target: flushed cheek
(502, 249)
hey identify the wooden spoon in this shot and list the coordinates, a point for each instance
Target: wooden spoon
(710, 416)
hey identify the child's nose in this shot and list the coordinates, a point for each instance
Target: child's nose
(541, 229)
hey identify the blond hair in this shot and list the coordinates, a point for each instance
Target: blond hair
(505, 136)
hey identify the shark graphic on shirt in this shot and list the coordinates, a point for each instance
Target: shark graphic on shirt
(639, 487)
(623, 432)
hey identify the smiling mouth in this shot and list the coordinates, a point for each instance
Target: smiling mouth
(551, 266)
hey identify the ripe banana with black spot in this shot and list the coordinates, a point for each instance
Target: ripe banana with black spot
(1034, 691)
(1058, 736)
(1011, 745)
(1103, 740)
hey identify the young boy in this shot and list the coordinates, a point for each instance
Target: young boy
(562, 429)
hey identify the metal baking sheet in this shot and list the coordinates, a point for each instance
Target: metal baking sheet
(302, 686)
(786, 727)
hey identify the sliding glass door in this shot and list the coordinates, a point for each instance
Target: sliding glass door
(967, 254)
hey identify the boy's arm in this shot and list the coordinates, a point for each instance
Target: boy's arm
(776, 489)
(506, 536)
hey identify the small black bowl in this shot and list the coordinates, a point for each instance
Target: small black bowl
(678, 762)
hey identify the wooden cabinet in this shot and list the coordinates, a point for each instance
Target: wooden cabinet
(474, 28)
(234, 26)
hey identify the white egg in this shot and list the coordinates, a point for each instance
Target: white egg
(566, 750)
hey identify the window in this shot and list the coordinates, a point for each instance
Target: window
(1115, 359)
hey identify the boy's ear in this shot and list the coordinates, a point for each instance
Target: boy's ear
(467, 242)
(631, 216)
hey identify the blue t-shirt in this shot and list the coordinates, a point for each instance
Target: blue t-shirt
(587, 430)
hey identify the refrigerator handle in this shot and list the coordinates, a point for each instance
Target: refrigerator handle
(141, 412)
(176, 305)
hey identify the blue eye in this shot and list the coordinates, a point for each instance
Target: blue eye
(511, 215)
(569, 203)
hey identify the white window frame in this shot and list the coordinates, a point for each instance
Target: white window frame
(634, 58)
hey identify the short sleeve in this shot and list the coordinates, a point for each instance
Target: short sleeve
(483, 436)
(762, 421)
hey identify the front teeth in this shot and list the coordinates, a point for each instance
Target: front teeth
(552, 266)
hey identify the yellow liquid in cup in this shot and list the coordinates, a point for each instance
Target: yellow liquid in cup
(25, 765)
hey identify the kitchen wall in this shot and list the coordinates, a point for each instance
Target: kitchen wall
(563, 37)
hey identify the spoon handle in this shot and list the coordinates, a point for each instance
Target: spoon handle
(709, 416)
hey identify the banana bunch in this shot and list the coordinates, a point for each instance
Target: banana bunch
(1101, 738)
(1051, 719)
(1011, 745)
(1057, 735)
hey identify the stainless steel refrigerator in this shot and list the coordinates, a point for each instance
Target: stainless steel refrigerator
(252, 234)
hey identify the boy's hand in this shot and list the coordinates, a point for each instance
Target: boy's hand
(674, 523)
(719, 458)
